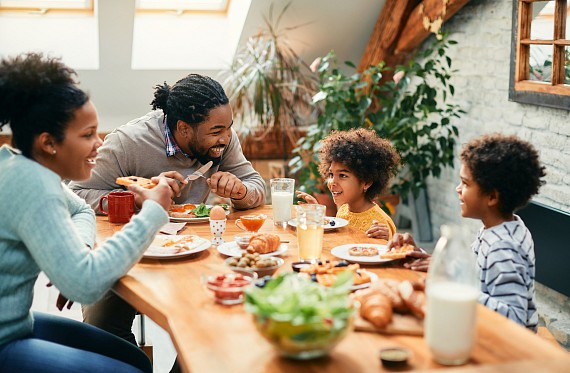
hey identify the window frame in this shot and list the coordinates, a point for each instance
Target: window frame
(521, 89)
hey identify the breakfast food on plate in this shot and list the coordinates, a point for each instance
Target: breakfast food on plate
(374, 307)
(414, 296)
(140, 181)
(325, 272)
(263, 243)
(362, 251)
(182, 211)
(174, 244)
(402, 297)
(217, 213)
(397, 253)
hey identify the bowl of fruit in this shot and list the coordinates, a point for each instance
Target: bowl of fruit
(228, 288)
(300, 318)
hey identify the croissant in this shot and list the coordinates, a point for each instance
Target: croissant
(263, 243)
(374, 307)
(389, 288)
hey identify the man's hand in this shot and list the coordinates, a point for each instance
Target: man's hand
(378, 230)
(226, 185)
(175, 181)
(309, 199)
(161, 193)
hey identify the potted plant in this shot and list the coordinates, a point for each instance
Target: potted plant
(269, 86)
(412, 111)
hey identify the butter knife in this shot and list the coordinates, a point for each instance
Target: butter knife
(199, 172)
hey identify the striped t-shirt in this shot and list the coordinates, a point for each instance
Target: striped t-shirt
(505, 256)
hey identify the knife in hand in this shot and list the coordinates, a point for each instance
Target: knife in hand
(199, 172)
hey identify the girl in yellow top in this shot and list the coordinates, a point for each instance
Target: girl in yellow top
(357, 166)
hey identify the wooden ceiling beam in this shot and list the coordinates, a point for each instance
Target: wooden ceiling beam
(427, 13)
(386, 32)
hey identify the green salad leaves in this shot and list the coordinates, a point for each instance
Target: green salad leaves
(202, 210)
(296, 299)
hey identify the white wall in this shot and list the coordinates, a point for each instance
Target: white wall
(482, 56)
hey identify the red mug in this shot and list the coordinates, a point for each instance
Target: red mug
(120, 206)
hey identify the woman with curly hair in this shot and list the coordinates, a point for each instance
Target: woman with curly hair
(358, 166)
(46, 227)
(499, 174)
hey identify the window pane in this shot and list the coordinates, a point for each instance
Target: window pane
(541, 63)
(542, 26)
(567, 65)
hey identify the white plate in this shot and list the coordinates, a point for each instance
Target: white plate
(342, 253)
(157, 250)
(194, 220)
(232, 249)
(338, 223)
(373, 278)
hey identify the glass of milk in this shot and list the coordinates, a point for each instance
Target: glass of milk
(452, 291)
(282, 191)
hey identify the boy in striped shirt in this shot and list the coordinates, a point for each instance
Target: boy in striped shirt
(499, 174)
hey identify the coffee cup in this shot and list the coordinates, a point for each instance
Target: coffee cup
(120, 206)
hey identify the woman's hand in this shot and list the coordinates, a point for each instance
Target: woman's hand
(161, 193)
(175, 181)
(309, 199)
(378, 230)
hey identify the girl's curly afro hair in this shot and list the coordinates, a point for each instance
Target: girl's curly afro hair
(369, 157)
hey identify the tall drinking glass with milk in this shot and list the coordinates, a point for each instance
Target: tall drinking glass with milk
(452, 291)
(282, 190)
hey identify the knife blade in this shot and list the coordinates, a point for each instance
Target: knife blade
(200, 172)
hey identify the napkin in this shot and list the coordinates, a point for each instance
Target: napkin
(172, 228)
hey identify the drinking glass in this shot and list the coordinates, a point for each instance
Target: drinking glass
(310, 220)
(282, 200)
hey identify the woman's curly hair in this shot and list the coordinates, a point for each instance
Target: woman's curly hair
(506, 164)
(369, 157)
(37, 94)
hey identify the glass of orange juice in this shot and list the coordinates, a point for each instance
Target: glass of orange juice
(310, 220)
(251, 223)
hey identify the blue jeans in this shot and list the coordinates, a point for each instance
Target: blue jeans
(61, 345)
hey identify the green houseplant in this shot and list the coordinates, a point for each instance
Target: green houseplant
(413, 112)
(269, 86)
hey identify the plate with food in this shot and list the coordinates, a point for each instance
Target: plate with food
(232, 249)
(366, 253)
(325, 272)
(192, 213)
(331, 222)
(175, 246)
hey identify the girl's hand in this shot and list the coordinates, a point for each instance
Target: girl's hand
(307, 197)
(378, 230)
(161, 193)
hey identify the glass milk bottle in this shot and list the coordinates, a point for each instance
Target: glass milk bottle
(452, 291)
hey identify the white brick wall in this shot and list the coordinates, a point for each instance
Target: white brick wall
(482, 56)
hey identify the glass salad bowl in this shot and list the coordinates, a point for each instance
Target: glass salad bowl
(300, 318)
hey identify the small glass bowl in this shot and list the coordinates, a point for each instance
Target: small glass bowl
(228, 288)
(261, 272)
(394, 357)
(242, 240)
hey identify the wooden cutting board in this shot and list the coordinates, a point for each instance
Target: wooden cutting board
(401, 324)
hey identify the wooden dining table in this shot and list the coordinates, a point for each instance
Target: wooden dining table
(210, 337)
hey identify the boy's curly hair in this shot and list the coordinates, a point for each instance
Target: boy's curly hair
(369, 157)
(506, 164)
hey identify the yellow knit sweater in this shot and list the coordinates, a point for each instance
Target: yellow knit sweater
(363, 220)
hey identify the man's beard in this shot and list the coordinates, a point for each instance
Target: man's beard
(203, 157)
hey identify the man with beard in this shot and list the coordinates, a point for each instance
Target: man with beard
(190, 125)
